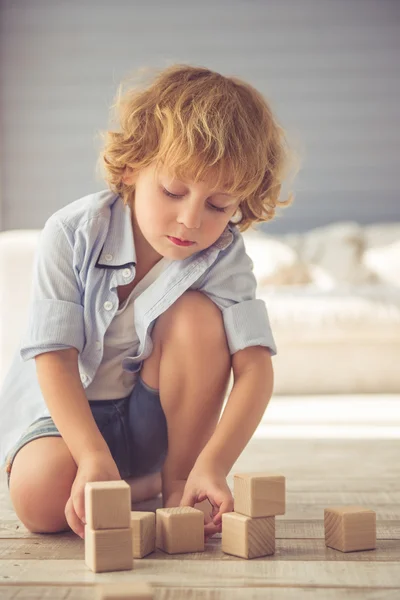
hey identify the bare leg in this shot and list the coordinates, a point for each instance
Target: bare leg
(41, 478)
(144, 488)
(190, 365)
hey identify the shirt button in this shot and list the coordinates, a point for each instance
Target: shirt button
(98, 345)
(108, 305)
(126, 273)
(108, 257)
(83, 377)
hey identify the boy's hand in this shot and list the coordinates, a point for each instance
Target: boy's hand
(99, 466)
(205, 482)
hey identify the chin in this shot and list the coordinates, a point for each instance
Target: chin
(178, 254)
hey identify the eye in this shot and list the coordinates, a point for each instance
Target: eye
(217, 208)
(167, 193)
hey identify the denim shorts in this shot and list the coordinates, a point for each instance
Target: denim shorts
(135, 429)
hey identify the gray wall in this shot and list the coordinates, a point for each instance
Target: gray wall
(330, 69)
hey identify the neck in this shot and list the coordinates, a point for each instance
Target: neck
(146, 256)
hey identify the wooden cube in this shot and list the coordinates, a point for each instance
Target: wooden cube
(350, 528)
(108, 549)
(180, 529)
(125, 591)
(259, 494)
(143, 526)
(247, 537)
(108, 504)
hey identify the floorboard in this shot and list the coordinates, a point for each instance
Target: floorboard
(320, 472)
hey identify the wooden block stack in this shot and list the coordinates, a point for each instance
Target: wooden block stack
(108, 533)
(249, 531)
(143, 526)
(180, 529)
(125, 591)
(350, 528)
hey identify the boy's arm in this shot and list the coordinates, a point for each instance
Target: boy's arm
(62, 390)
(247, 402)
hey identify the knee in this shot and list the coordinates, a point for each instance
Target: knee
(195, 318)
(36, 509)
(39, 499)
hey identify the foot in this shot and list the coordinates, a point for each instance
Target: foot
(145, 488)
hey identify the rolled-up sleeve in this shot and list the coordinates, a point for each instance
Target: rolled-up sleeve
(55, 319)
(231, 284)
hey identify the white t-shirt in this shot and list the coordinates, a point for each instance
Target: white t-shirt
(111, 381)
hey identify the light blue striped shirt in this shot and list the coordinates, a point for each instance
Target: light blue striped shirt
(86, 250)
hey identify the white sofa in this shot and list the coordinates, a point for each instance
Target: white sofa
(333, 297)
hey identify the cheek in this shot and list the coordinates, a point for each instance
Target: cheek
(213, 227)
(150, 210)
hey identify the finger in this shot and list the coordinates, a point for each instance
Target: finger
(210, 529)
(78, 502)
(206, 508)
(188, 499)
(73, 520)
(201, 497)
(226, 506)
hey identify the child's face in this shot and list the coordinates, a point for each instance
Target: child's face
(193, 215)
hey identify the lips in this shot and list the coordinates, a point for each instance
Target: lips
(180, 242)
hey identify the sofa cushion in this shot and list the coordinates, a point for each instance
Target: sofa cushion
(17, 252)
(381, 234)
(335, 252)
(274, 262)
(342, 341)
(367, 312)
(384, 261)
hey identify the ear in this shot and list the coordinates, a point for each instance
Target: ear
(237, 216)
(128, 176)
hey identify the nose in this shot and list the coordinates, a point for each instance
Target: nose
(190, 216)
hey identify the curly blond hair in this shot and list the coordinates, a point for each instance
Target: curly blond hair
(201, 124)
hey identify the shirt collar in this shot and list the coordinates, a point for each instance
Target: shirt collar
(225, 239)
(119, 246)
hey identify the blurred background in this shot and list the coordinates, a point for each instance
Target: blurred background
(329, 69)
(328, 267)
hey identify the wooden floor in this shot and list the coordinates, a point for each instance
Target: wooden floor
(332, 450)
